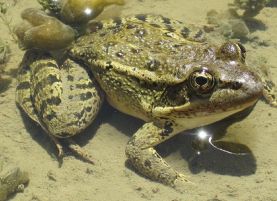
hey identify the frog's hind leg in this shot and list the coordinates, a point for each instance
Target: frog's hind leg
(142, 155)
(23, 95)
(62, 100)
(23, 88)
(67, 99)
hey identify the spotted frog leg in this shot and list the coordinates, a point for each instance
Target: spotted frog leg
(63, 100)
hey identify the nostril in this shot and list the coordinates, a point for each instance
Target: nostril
(236, 85)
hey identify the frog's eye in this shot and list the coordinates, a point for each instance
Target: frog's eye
(202, 82)
(232, 51)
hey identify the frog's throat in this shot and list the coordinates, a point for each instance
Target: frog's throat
(189, 117)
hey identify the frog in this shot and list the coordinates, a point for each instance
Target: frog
(151, 67)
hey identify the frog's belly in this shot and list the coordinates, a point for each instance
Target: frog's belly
(128, 108)
(123, 94)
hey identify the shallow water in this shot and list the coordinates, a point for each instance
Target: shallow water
(214, 175)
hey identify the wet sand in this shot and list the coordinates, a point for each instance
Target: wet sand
(215, 176)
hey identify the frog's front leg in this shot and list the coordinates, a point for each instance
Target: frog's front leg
(269, 92)
(141, 153)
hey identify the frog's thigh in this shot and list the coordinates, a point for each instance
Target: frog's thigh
(66, 98)
(23, 91)
(144, 157)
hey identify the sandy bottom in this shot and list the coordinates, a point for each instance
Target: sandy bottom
(215, 176)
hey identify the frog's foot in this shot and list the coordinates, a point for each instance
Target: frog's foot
(58, 146)
(146, 160)
(79, 151)
(71, 144)
(43, 31)
(269, 93)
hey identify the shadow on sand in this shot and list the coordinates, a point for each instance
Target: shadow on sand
(210, 159)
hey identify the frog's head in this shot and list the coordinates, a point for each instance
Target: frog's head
(224, 78)
(217, 86)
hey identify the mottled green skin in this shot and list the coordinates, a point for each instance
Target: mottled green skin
(145, 63)
(160, 71)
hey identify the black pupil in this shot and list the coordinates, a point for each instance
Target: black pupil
(201, 80)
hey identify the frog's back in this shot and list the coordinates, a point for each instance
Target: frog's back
(144, 46)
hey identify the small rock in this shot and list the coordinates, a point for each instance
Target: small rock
(11, 181)
(239, 28)
(155, 190)
(138, 188)
(89, 171)
(51, 175)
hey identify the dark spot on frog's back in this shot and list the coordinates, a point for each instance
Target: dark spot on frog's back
(199, 34)
(141, 17)
(155, 25)
(170, 28)
(166, 20)
(185, 32)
